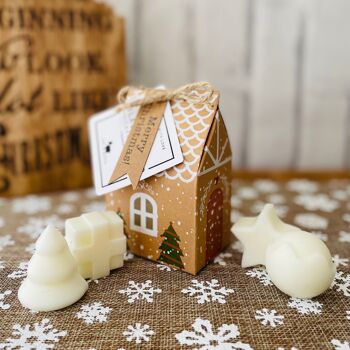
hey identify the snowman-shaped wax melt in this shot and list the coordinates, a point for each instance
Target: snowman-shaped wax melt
(298, 263)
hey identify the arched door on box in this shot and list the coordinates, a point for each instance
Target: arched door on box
(215, 208)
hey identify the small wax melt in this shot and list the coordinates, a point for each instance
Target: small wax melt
(53, 281)
(97, 241)
(298, 263)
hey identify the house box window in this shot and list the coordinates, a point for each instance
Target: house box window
(143, 214)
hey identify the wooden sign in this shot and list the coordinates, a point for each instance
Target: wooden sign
(60, 61)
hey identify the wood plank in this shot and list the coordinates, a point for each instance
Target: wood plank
(164, 43)
(274, 84)
(326, 86)
(220, 56)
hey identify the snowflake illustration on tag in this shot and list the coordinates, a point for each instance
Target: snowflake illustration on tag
(40, 336)
(341, 283)
(3, 295)
(305, 306)
(36, 225)
(31, 204)
(220, 259)
(204, 337)
(338, 261)
(93, 313)
(269, 317)
(338, 345)
(138, 333)
(208, 291)
(344, 237)
(22, 272)
(140, 291)
(261, 274)
(6, 241)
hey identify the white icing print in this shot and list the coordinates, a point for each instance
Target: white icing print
(344, 237)
(339, 345)
(318, 201)
(204, 337)
(305, 306)
(22, 272)
(311, 221)
(41, 336)
(208, 291)
(140, 291)
(138, 333)
(36, 225)
(338, 261)
(3, 295)
(93, 313)
(6, 241)
(269, 317)
(261, 274)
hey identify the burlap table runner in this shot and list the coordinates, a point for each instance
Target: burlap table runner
(149, 306)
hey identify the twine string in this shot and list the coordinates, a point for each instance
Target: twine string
(201, 92)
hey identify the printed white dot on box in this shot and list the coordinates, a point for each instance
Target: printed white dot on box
(97, 242)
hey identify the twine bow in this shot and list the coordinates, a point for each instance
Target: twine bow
(201, 92)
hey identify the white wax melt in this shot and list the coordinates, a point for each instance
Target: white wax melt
(97, 242)
(53, 281)
(256, 233)
(300, 265)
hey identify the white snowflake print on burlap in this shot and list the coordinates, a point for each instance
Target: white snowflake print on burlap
(204, 337)
(6, 241)
(341, 283)
(70, 196)
(339, 345)
(346, 217)
(36, 225)
(318, 201)
(311, 221)
(166, 268)
(128, 256)
(65, 208)
(266, 186)
(140, 291)
(247, 193)
(30, 248)
(237, 246)
(276, 198)
(338, 261)
(31, 204)
(305, 306)
(261, 274)
(340, 195)
(41, 336)
(235, 215)
(220, 259)
(269, 317)
(344, 237)
(138, 333)
(94, 206)
(348, 315)
(3, 304)
(292, 348)
(236, 202)
(208, 291)
(93, 313)
(2, 222)
(2, 264)
(320, 235)
(22, 272)
(302, 186)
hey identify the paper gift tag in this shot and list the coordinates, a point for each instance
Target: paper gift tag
(108, 131)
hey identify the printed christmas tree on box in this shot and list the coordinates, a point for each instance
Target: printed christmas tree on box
(181, 215)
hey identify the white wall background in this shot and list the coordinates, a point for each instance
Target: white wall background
(282, 66)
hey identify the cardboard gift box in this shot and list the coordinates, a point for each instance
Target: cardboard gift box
(181, 216)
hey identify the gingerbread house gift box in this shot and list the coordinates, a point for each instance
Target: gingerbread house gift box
(181, 216)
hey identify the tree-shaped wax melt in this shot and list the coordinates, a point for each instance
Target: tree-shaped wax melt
(53, 281)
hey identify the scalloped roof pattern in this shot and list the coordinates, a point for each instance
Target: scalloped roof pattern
(193, 123)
